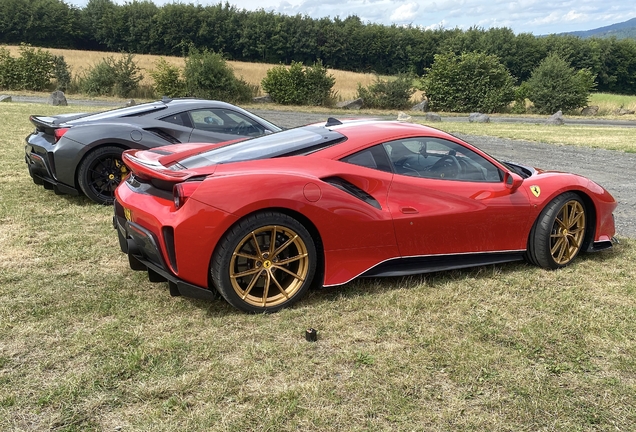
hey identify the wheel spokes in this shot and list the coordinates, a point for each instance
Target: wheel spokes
(290, 273)
(290, 260)
(269, 266)
(568, 232)
(252, 284)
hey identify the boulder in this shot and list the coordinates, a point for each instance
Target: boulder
(422, 106)
(355, 104)
(590, 110)
(131, 102)
(5, 98)
(57, 98)
(478, 118)
(624, 111)
(262, 99)
(555, 119)
(402, 116)
(433, 117)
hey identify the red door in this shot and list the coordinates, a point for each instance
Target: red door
(433, 216)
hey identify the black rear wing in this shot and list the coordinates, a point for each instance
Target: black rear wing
(42, 125)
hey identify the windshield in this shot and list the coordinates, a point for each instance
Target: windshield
(286, 143)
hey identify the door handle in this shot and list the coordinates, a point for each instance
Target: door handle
(409, 210)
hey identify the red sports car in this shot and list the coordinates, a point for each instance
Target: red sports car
(259, 220)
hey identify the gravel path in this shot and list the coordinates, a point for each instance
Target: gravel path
(615, 171)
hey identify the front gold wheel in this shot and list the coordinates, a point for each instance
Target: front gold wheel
(568, 232)
(559, 233)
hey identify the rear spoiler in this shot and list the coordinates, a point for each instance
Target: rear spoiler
(194, 150)
(42, 125)
(150, 170)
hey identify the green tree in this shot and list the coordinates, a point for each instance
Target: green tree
(32, 70)
(388, 94)
(113, 76)
(99, 17)
(468, 82)
(299, 85)
(207, 75)
(554, 85)
(168, 81)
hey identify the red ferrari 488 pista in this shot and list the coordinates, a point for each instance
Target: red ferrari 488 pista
(259, 220)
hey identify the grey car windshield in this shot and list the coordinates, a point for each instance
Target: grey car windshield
(286, 143)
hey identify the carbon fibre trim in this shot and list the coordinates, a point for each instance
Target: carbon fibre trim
(404, 266)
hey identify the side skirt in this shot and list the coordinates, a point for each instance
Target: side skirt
(435, 263)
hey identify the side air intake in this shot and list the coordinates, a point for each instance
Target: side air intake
(352, 190)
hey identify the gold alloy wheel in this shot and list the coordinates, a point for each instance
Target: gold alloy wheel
(567, 232)
(269, 266)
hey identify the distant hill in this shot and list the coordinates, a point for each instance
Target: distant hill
(623, 30)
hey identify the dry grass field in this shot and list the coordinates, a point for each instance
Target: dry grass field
(80, 61)
(345, 87)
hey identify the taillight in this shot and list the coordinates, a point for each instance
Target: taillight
(182, 191)
(59, 132)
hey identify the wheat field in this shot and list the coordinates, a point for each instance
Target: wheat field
(81, 61)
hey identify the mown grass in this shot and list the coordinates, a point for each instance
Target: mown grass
(609, 138)
(87, 344)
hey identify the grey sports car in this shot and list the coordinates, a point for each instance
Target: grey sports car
(73, 153)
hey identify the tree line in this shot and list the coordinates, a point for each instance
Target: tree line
(141, 27)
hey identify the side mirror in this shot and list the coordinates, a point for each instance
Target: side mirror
(512, 181)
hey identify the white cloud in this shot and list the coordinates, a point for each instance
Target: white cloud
(534, 16)
(405, 12)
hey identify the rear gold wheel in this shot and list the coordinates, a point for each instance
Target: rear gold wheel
(264, 263)
(269, 266)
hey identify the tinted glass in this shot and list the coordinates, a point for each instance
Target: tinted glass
(374, 157)
(440, 159)
(225, 121)
(290, 142)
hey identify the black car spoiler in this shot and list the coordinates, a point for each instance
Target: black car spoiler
(42, 125)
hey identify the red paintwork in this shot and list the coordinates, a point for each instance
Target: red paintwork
(418, 216)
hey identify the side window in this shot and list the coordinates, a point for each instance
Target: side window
(439, 159)
(374, 158)
(181, 119)
(225, 121)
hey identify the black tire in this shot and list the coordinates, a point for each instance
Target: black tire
(100, 173)
(255, 277)
(558, 234)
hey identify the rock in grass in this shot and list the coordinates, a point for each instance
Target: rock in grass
(262, 99)
(57, 98)
(433, 117)
(591, 110)
(355, 104)
(422, 106)
(402, 116)
(555, 119)
(5, 98)
(478, 118)
(624, 111)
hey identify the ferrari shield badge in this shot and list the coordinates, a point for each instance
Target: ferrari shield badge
(536, 190)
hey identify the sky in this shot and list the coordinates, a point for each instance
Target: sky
(522, 16)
